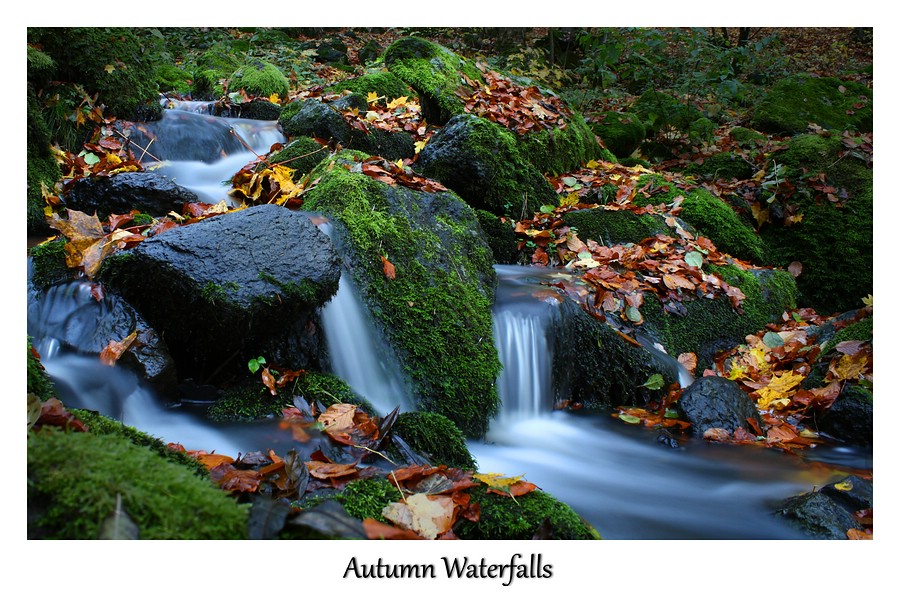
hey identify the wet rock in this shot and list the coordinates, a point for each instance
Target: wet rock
(224, 289)
(849, 418)
(829, 513)
(717, 403)
(145, 191)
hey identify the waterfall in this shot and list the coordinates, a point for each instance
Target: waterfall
(525, 384)
(357, 355)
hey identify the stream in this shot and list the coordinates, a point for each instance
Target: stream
(616, 476)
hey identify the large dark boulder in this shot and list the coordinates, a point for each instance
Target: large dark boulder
(717, 403)
(185, 136)
(228, 288)
(146, 191)
(480, 161)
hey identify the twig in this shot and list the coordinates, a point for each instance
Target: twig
(375, 452)
(128, 140)
(399, 489)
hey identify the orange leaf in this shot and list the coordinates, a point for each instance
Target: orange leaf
(324, 470)
(389, 271)
(376, 530)
(688, 360)
(269, 381)
(211, 461)
(231, 479)
(114, 350)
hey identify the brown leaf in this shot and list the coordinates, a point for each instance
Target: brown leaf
(428, 516)
(114, 350)
(795, 268)
(230, 479)
(269, 381)
(688, 360)
(389, 271)
(54, 414)
(376, 530)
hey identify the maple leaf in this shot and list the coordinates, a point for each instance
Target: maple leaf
(849, 367)
(347, 424)
(503, 485)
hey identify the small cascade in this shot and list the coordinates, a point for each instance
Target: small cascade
(200, 107)
(357, 356)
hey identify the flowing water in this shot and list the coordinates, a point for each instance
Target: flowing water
(615, 475)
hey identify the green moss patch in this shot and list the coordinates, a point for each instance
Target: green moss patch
(436, 436)
(259, 78)
(621, 132)
(796, 101)
(75, 478)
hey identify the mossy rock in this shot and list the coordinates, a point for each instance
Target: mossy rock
(724, 165)
(795, 102)
(302, 155)
(659, 111)
(259, 78)
(382, 82)
(39, 383)
(82, 54)
(858, 331)
(433, 72)
(833, 243)
(611, 227)
(482, 162)
(712, 217)
(506, 518)
(707, 326)
(701, 130)
(48, 263)
(621, 132)
(212, 68)
(500, 235)
(436, 312)
(436, 437)
(75, 478)
(251, 400)
(747, 138)
(40, 65)
(41, 166)
(562, 149)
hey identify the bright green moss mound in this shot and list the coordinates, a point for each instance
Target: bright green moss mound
(711, 325)
(713, 218)
(860, 331)
(436, 436)
(74, 479)
(384, 83)
(834, 244)
(621, 132)
(434, 72)
(259, 78)
(746, 137)
(48, 263)
(301, 154)
(796, 101)
(436, 313)
(506, 518)
(173, 79)
(213, 67)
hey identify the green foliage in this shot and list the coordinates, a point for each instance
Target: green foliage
(48, 263)
(436, 436)
(173, 79)
(74, 479)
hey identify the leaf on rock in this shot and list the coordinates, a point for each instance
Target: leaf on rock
(654, 382)
(114, 350)
(428, 516)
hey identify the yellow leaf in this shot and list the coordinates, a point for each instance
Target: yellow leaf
(275, 99)
(419, 145)
(786, 382)
(372, 97)
(397, 102)
(592, 164)
(497, 480)
(372, 116)
(737, 372)
(769, 398)
(849, 367)
(570, 200)
(760, 357)
(844, 486)
(867, 300)
(399, 163)
(109, 68)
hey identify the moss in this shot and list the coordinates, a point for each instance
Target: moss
(383, 83)
(621, 132)
(860, 331)
(41, 170)
(75, 478)
(301, 155)
(710, 325)
(82, 54)
(328, 389)
(213, 67)
(436, 313)
(365, 498)
(39, 383)
(701, 130)
(98, 424)
(505, 518)
(173, 79)
(834, 243)
(259, 78)
(48, 263)
(724, 165)
(500, 235)
(795, 102)
(712, 217)
(436, 436)
(611, 227)
(433, 72)
(562, 150)
(141, 219)
(746, 137)
(40, 65)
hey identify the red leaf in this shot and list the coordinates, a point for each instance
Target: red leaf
(389, 271)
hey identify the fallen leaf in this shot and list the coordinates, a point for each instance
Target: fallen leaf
(428, 516)
(389, 271)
